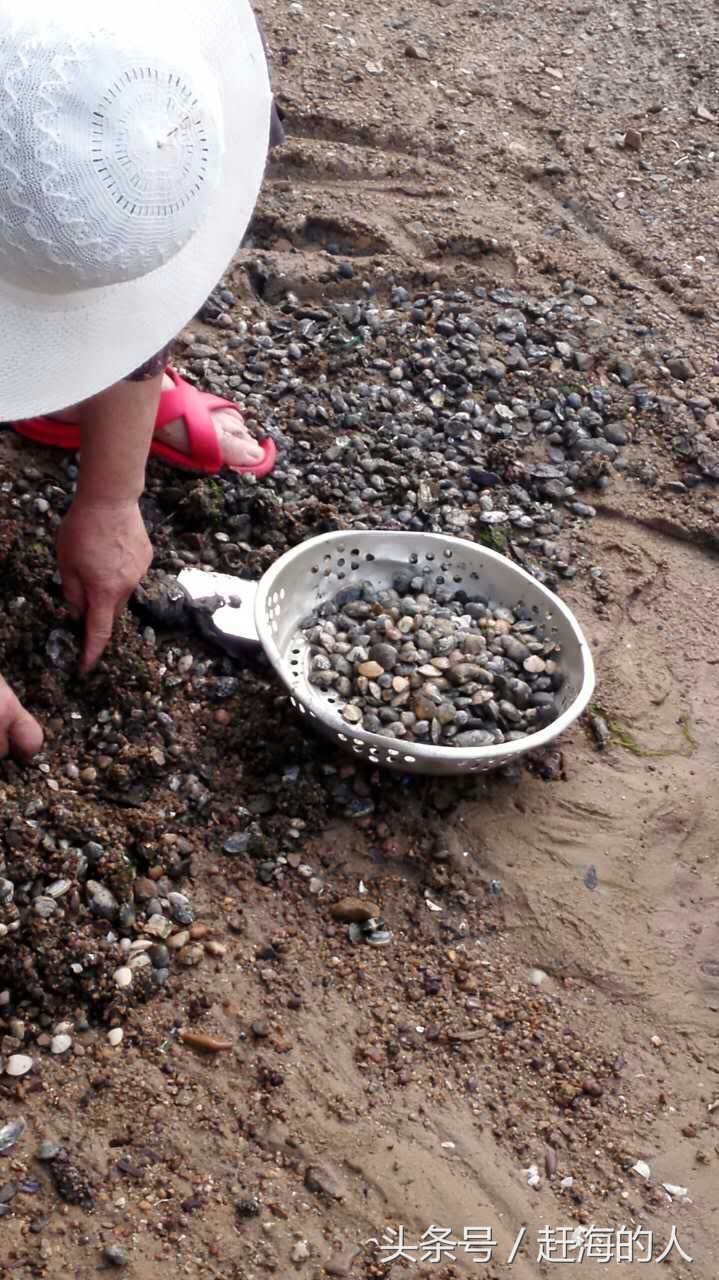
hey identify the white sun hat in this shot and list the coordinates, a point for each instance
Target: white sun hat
(133, 140)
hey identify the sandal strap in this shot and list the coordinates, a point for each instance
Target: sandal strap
(193, 407)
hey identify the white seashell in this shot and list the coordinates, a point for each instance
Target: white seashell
(18, 1065)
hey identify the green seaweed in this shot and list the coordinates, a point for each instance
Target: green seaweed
(491, 537)
(621, 736)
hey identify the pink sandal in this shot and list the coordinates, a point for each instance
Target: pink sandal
(179, 401)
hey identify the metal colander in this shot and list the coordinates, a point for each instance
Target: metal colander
(316, 570)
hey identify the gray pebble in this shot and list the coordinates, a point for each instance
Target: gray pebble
(237, 843)
(385, 655)
(474, 738)
(115, 1256)
(103, 903)
(48, 1150)
(44, 907)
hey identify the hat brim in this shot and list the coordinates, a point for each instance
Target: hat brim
(56, 350)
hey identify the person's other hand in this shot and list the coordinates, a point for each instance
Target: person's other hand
(20, 733)
(103, 551)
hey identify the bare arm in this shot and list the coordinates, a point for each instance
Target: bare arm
(103, 548)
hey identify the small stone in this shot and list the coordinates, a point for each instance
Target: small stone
(372, 670)
(123, 977)
(354, 910)
(591, 1087)
(59, 888)
(248, 1208)
(632, 140)
(474, 738)
(323, 1182)
(385, 655)
(18, 1065)
(351, 714)
(143, 889)
(181, 908)
(48, 1150)
(300, 1251)
(115, 1037)
(102, 902)
(158, 926)
(159, 955)
(237, 843)
(60, 1044)
(44, 907)
(680, 369)
(514, 649)
(178, 940)
(534, 664)
(115, 1256)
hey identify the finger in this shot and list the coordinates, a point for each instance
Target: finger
(98, 632)
(25, 735)
(74, 594)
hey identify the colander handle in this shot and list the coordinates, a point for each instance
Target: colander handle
(224, 607)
